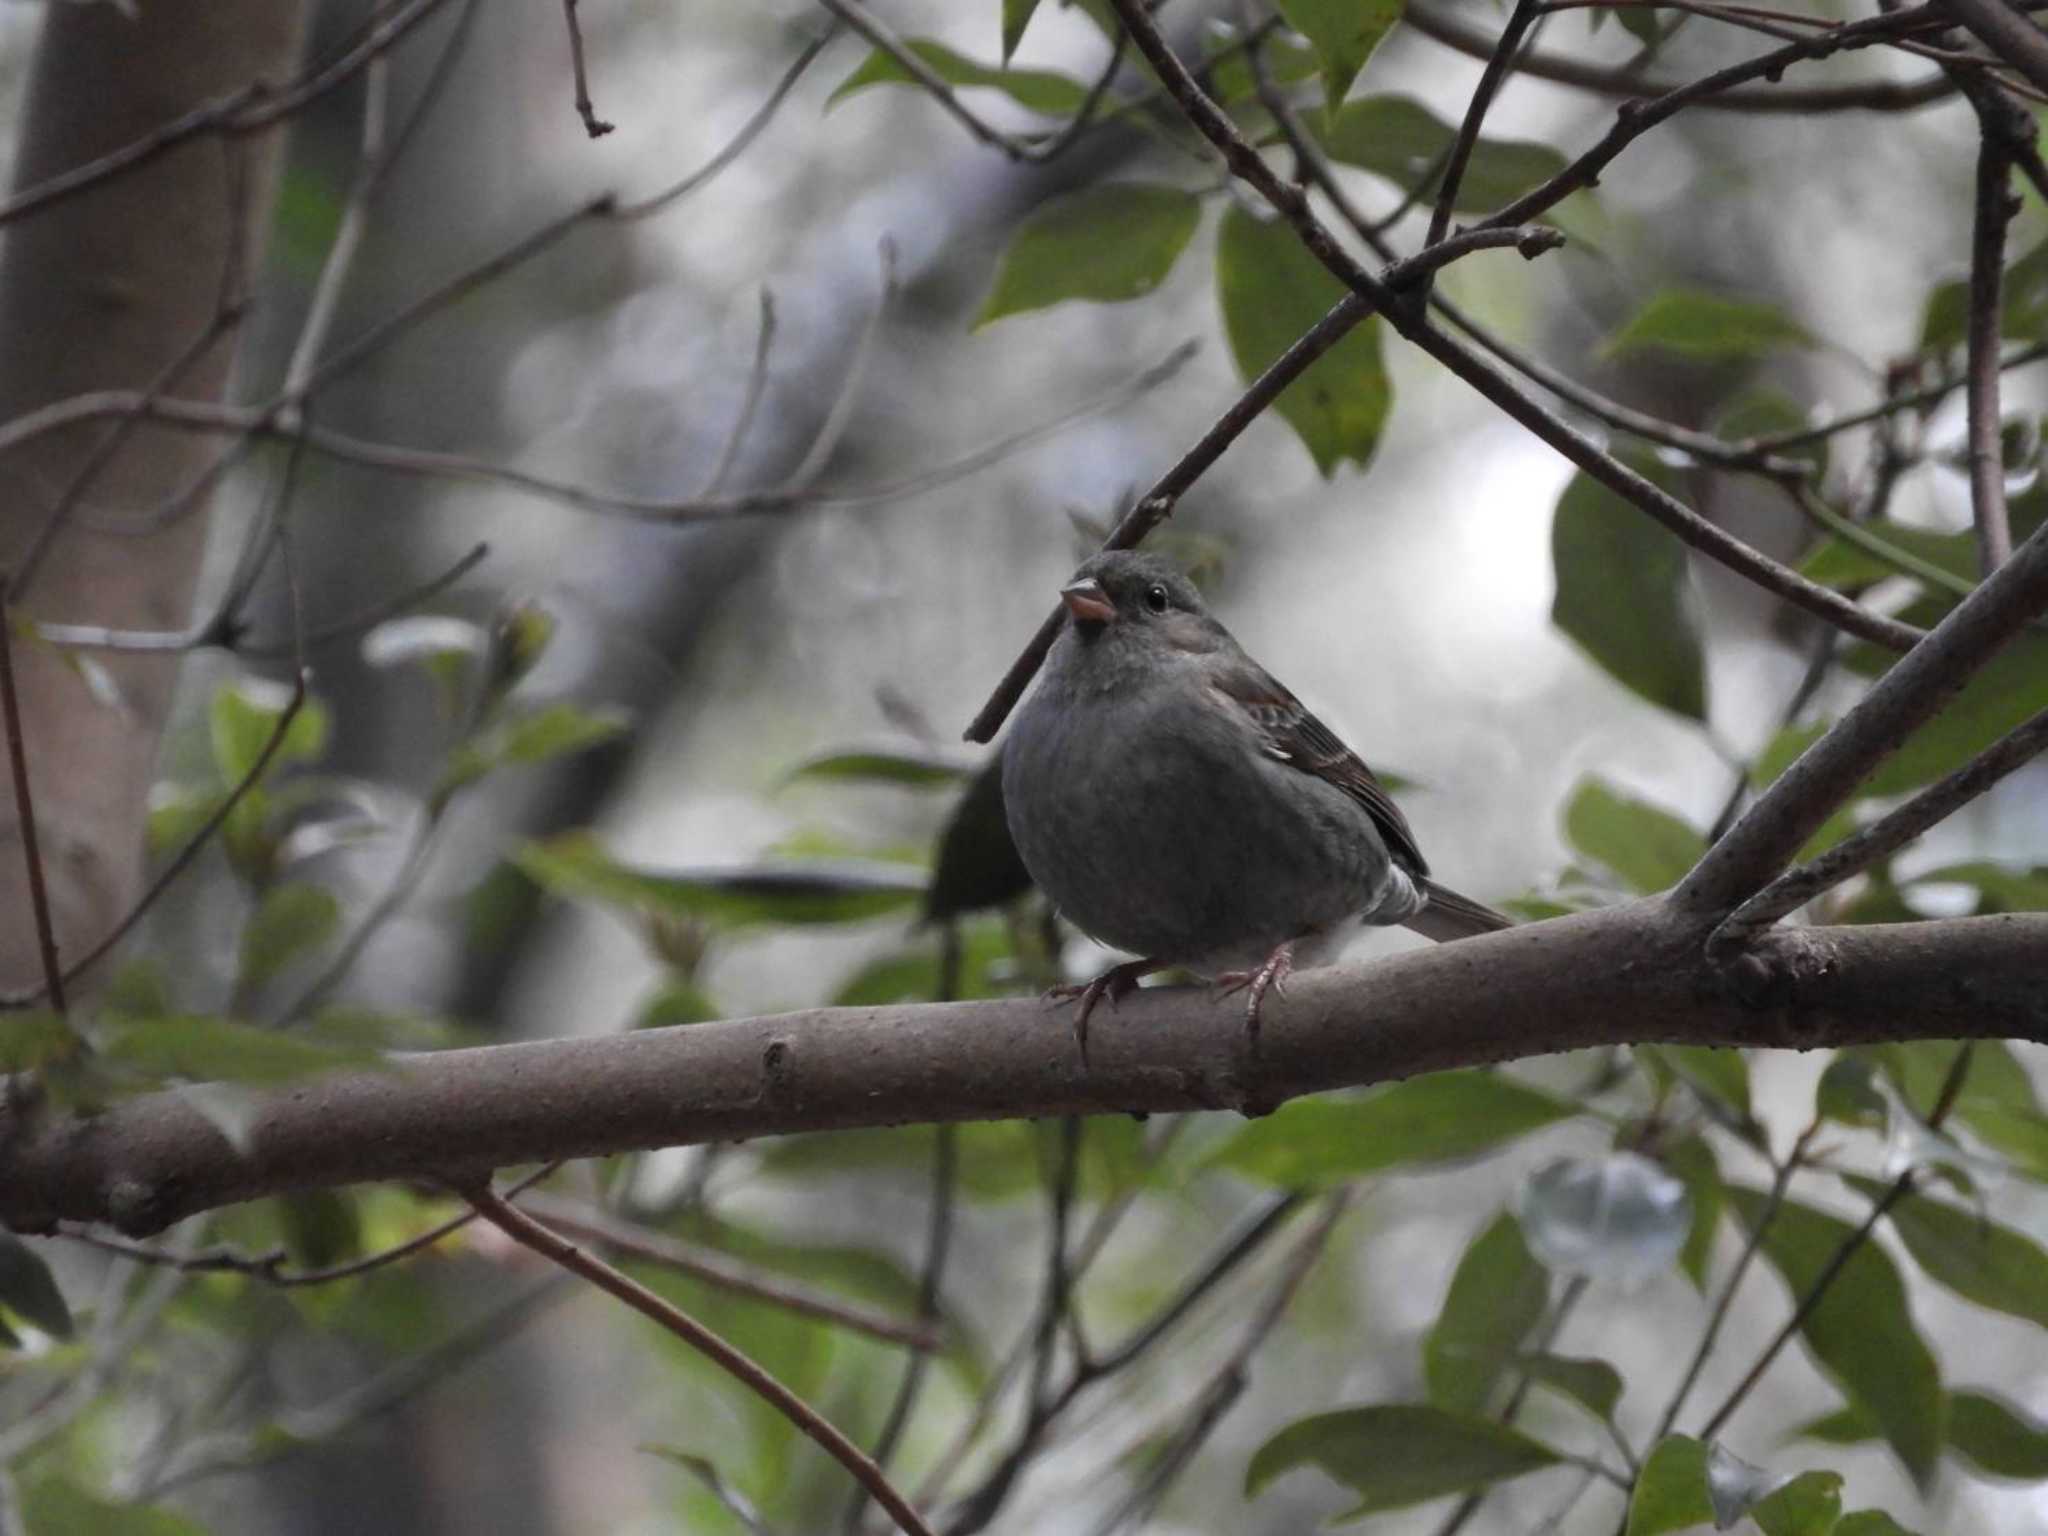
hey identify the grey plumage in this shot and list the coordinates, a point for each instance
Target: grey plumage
(1175, 801)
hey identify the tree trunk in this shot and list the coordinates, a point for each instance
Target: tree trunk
(105, 289)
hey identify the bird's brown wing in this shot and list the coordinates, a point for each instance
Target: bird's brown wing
(1299, 739)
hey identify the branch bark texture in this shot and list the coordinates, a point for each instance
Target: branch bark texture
(1636, 973)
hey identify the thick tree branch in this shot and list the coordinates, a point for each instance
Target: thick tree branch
(1627, 974)
(1905, 698)
(2007, 33)
(1994, 210)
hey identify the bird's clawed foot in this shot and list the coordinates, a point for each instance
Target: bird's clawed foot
(1116, 983)
(1270, 977)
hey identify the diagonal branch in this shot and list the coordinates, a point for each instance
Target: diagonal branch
(2007, 33)
(1994, 210)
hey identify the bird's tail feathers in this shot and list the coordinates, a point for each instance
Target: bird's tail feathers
(1447, 915)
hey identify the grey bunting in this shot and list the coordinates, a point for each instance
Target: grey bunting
(1174, 801)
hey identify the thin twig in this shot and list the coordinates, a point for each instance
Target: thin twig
(1867, 96)
(523, 1229)
(1893, 831)
(839, 415)
(1995, 206)
(593, 125)
(1462, 146)
(25, 809)
(1902, 1186)
(923, 1336)
(750, 402)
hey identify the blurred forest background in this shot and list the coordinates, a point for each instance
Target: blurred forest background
(716, 681)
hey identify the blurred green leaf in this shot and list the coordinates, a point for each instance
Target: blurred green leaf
(705, 1470)
(1396, 1454)
(1994, 1079)
(1289, 58)
(1272, 290)
(291, 919)
(446, 648)
(1594, 1385)
(912, 975)
(244, 717)
(34, 1038)
(1621, 594)
(203, 1049)
(53, 1507)
(1109, 242)
(2008, 689)
(793, 893)
(1861, 1332)
(913, 768)
(2023, 304)
(320, 1227)
(1998, 1438)
(675, 1001)
(1036, 90)
(1497, 1296)
(1808, 1505)
(1671, 1491)
(1344, 33)
(1847, 1094)
(1703, 326)
(1835, 562)
(27, 1289)
(1999, 888)
(1766, 412)
(2018, 1135)
(1423, 1120)
(1399, 138)
(1692, 1163)
(525, 737)
(1016, 17)
(1869, 1522)
(1979, 1259)
(1651, 849)
(498, 907)
(977, 865)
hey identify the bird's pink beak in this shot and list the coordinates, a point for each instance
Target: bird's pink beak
(1087, 603)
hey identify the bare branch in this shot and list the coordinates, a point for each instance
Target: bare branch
(2007, 33)
(1635, 973)
(25, 809)
(1497, 65)
(1869, 96)
(1906, 697)
(1994, 210)
(593, 125)
(527, 1232)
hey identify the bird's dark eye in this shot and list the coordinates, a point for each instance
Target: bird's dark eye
(1155, 598)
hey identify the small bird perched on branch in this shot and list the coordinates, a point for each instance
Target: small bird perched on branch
(1175, 801)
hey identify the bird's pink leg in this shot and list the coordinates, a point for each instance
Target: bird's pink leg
(1116, 983)
(1269, 977)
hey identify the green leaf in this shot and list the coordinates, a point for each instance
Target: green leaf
(1703, 326)
(35, 1038)
(524, 737)
(796, 892)
(1621, 594)
(675, 1001)
(244, 717)
(1016, 17)
(1671, 1491)
(1272, 290)
(1109, 242)
(202, 1049)
(28, 1291)
(1497, 1296)
(1692, 1162)
(1344, 32)
(1999, 888)
(1979, 1259)
(1809, 1505)
(977, 865)
(292, 918)
(1594, 1385)
(1423, 1120)
(884, 765)
(1399, 138)
(1869, 1522)
(1861, 1332)
(2023, 301)
(1036, 90)
(1396, 1454)
(1835, 562)
(1847, 1094)
(1289, 59)
(2020, 1136)
(1651, 849)
(1717, 1074)
(52, 1507)
(1998, 1438)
